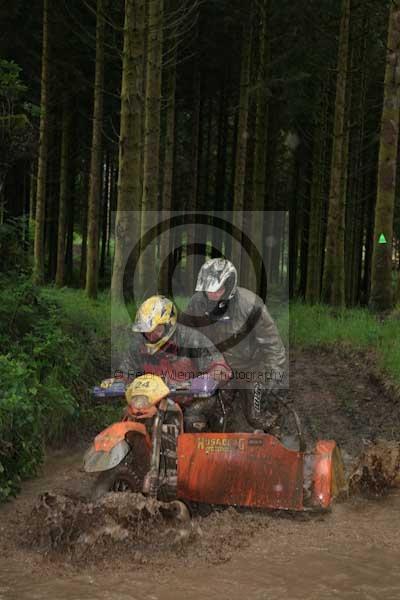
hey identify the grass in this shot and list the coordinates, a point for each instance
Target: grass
(303, 326)
(77, 308)
(313, 326)
(101, 315)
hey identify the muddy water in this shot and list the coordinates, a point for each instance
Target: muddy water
(352, 553)
(296, 561)
(316, 574)
(365, 574)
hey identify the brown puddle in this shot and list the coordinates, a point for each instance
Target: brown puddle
(351, 553)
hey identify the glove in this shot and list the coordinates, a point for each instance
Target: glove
(107, 383)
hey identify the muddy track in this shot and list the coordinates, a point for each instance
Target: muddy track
(352, 552)
(339, 395)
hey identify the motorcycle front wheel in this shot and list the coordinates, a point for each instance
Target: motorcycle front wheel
(119, 479)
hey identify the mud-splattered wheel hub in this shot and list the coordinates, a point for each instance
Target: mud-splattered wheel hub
(122, 485)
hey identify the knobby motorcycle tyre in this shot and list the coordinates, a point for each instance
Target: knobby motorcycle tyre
(119, 479)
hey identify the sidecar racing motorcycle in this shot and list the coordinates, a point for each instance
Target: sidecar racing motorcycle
(149, 452)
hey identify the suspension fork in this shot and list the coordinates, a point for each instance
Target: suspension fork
(300, 434)
(150, 485)
(302, 442)
(223, 410)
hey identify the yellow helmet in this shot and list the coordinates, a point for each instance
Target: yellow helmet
(155, 311)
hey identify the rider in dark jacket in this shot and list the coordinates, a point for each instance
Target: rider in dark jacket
(163, 347)
(237, 321)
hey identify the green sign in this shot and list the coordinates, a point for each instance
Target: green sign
(382, 239)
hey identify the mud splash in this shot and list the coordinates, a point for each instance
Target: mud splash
(377, 470)
(67, 527)
(72, 528)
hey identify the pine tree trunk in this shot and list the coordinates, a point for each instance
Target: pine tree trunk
(127, 223)
(69, 249)
(381, 281)
(269, 229)
(64, 190)
(279, 223)
(355, 204)
(32, 193)
(209, 189)
(284, 279)
(314, 260)
(304, 224)
(218, 235)
(241, 145)
(170, 91)
(294, 211)
(38, 268)
(347, 202)
(27, 198)
(196, 103)
(151, 163)
(220, 184)
(169, 136)
(191, 267)
(261, 130)
(333, 284)
(85, 190)
(52, 194)
(113, 201)
(105, 197)
(260, 150)
(92, 267)
(313, 288)
(231, 180)
(369, 244)
(247, 277)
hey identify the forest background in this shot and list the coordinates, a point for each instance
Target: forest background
(112, 112)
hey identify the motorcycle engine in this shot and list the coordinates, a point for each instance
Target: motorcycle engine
(168, 459)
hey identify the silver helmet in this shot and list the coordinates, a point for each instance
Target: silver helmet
(215, 274)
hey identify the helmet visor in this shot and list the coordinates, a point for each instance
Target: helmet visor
(209, 285)
(216, 274)
(140, 326)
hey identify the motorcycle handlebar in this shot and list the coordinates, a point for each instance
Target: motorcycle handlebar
(200, 387)
(116, 390)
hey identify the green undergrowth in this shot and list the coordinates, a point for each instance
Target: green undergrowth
(54, 346)
(320, 325)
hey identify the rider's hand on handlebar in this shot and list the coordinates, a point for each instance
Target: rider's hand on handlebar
(106, 383)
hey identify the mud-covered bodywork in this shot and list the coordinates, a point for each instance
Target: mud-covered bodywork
(255, 470)
(110, 447)
(239, 469)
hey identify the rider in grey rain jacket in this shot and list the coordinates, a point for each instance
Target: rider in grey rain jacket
(238, 323)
